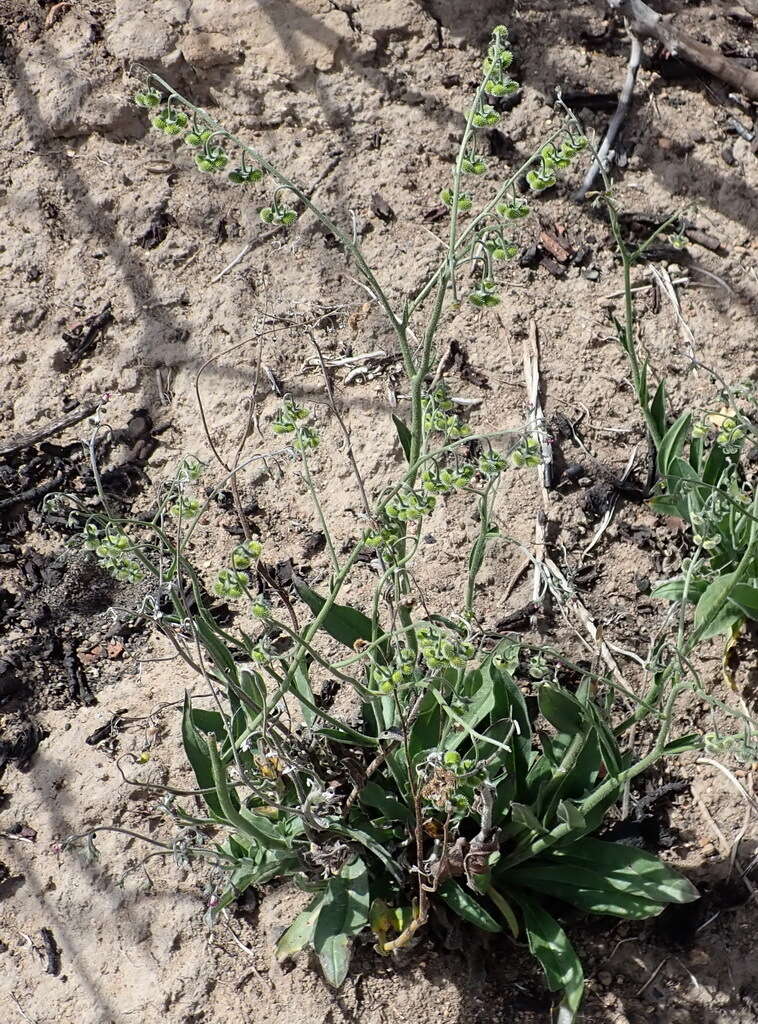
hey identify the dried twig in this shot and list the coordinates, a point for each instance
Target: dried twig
(645, 23)
(605, 153)
(18, 444)
(545, 469)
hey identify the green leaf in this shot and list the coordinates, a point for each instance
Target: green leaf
(521, 814)
(628, 868)
(196, 749)
(682, 745)
(714, 614)
(478, 689)
(343, 914)
(301, 687)
(609, 748)
(563, 711)
(569, 813)
(374, 795)
(550, 945)
(746, 599)
(342, 622)
(374, 844)
(672, 442)
(593, 901)
(673, 590)
(715, 465)
(658, 409)
(427, 729)
(696, 454)
(465, 906)
(404, 434)
(347, 735)
(300, 932)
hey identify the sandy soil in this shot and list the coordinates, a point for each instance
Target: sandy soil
(96, 211)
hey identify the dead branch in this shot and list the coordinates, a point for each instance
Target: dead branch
(645, 23)
(605, 153)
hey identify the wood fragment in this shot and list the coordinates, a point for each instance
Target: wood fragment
(22, 441)
(603, 155)
(555, 247)
(645, 23)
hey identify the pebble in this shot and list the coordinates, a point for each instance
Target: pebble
(605, 978)
(209, 49)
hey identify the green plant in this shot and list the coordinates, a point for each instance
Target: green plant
(702, 477)
(444, 784)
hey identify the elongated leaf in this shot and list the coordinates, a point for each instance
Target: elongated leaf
(683, 745)
(550, 945)
(715, 465)
(696, 454)
(405, 436)
(302, 688)
(347, 735)
(427, 729)
(560, 708)
(746, 599)
(658, 409)
(196, 749)
(593, 901)
(568, 812)
(627, 865)
(609, 748)
(673, 590)
(521, 814)
(300, 932)
(342, 622)
(374, 844)
(467, 907)
(714, 614)
(672, 442)
(374, 795)
(343, 914)
(480, 702)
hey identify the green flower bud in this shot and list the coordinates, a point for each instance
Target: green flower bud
(473, 165)
(148, 98)
(485, 117)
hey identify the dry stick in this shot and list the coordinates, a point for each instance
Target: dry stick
(22, 441)
(267, 235)
(532, 377)
(573, 604)
(663, 278)
(604, 154)
(645, 23)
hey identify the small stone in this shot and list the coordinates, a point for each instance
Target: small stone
(727, 155)
(209, 49)
(605, 978)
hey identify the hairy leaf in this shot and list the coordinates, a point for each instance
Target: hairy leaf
(672, 442)
(196, 749)
(343, 914)
(342, 622)
(550, 945)
(300, 932)
(467, 907)
(405, 436)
